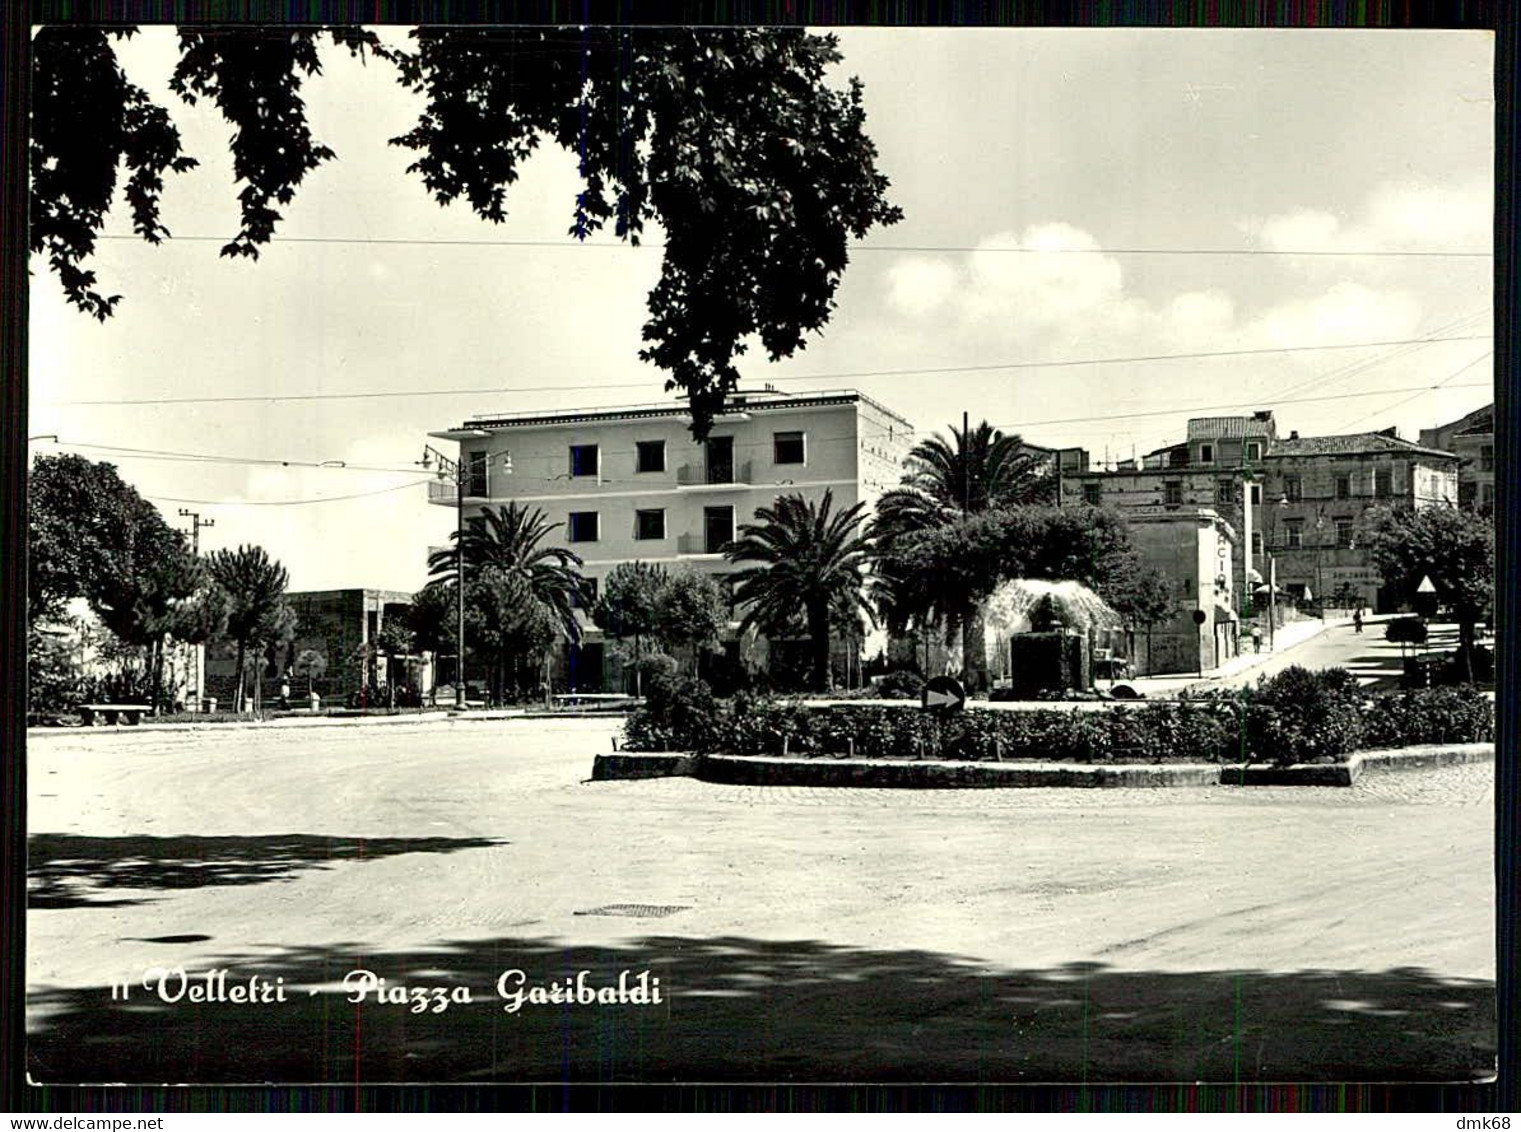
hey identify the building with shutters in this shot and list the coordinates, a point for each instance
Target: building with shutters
(629, 484)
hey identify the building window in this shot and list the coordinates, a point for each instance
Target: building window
(651, 456)
(476, 485)
(1257, 543)
(1172, 493)
(1293, 533)
(717, 529)
(1225, 492)
(1487, 458)
(1343, 487)
(1293, 489)
(788, 448)
(649, 524)
(1254, 494)
(1206, 453)
(582, 526)
(583, 459)
(720, 461)
(1383, 483)
(1093, 494)
(1344, 533)
(1253, 450)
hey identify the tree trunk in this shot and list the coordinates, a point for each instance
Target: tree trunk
(974, 656)
(156, 673)
(818, 639)
(240, 693)
(1466, 646)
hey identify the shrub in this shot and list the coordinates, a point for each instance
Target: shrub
(677, 715)
(1302, 716)
(1431, 715)
(901, 685)
(1406, 631)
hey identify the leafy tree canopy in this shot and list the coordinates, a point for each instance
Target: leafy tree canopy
(1452, 547)
(758, 170)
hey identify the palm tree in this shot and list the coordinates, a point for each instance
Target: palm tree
(502, 550)
(254, 585)
(809, 561)
(978, 469)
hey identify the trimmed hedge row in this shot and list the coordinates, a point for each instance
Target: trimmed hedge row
(1296, 717)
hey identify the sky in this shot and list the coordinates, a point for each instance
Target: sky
(1060, 189)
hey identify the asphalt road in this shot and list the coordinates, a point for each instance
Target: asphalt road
(1148, 935)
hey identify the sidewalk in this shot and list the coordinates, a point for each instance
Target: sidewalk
(1290, 636)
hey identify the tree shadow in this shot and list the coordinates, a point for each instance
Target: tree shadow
(69, 871)
(742, 1010)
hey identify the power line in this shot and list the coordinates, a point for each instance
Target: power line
(1049, 364)
(925, 249)
(287, 502)
(1443, 383)
(1257, 401)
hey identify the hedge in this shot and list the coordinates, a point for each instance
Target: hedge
(1298, 716)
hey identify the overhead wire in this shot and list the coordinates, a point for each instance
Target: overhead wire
(1055, 363)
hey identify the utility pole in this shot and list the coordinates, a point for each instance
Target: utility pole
(966, 470)
(196, 523)
(459, 471)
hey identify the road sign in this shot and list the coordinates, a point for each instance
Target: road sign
(943, 694)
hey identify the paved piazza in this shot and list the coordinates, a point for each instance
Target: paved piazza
(797, 934)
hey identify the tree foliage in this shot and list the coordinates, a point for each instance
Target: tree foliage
(977, 471)
(808, 560)
(694, 612)
(1452, 547)
(502, 548)
(757, 168)
(254, 588)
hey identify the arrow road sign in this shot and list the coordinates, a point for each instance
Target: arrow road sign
(944, 694)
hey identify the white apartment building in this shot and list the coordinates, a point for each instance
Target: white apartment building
(630, 484)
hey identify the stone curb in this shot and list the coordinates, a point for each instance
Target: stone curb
(895, 773)
(1348, 772)
(823, 771)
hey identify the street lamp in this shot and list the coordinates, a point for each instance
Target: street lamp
(459, 471)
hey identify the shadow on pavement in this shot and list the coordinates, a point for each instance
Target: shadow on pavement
(740, 1009)
(68, 871)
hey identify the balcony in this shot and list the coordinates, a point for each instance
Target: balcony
(693, 544)
(734, 474)
(442, 492)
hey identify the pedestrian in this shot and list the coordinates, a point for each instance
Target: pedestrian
(1357, 619)
(1256, 638)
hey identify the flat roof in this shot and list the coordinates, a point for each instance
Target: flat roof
(743, 401)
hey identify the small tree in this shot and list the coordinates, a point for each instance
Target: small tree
(254, 586)
(311, 664)
(1139, 594)
(1454, 549)
(396, 641)
(629, 606)
(693, 613)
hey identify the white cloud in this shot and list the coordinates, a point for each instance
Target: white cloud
(1397, 216)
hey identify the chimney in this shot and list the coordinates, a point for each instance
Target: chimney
(1294, 434)
(1263, 415)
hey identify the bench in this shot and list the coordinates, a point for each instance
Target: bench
(127, 714)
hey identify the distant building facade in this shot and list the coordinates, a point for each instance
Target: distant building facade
(631, 485)
(1472, 439)
(339, 626)
(1295, 503)
(1193, 548)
